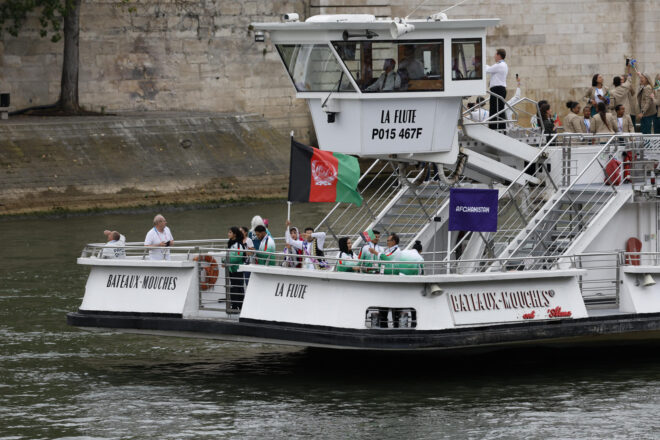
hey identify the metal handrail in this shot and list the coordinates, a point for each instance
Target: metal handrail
(557, 200)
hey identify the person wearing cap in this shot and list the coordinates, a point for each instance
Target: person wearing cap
(647, 110)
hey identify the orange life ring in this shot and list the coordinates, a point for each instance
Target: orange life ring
(211, 270)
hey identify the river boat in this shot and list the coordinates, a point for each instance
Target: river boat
(572, 259)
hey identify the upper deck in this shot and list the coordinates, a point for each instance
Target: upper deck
(383, 86)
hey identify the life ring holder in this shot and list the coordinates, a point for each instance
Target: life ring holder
(211, 271)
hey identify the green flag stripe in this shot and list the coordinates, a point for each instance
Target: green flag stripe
(348, 174)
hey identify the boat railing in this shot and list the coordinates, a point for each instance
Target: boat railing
(513, 111)
(396, 198)
(517, 204)
(575, 180)
(570, 210)
(222, 285)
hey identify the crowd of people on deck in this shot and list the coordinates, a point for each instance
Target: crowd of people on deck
(633, 98)
(304, 250)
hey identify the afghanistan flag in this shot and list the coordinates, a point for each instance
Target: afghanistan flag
(322, 176)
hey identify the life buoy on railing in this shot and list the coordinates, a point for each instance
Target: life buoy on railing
(211, 271)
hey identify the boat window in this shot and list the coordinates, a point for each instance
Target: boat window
(314, 68)
(385, 317)
(393, 66)
(466, 62)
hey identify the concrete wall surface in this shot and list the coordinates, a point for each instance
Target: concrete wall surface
(201, 55)
(138, 159)
(168, 55)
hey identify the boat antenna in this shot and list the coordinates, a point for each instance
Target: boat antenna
(416, 8)
(441, 12)
(453, 6)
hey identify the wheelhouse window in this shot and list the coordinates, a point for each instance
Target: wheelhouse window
(314, 68)
(393, 66)
(466, 59)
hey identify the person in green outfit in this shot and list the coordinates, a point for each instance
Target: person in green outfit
(266, 254)
(236, 255)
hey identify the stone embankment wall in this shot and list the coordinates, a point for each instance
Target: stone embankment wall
(168, 55)
(201, 55)
(184, 55)
(138, 159)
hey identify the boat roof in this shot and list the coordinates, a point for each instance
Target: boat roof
(360, 21)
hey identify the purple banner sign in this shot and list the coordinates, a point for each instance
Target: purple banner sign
(473, 209)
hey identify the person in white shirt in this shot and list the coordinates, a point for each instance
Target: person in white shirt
(392, 250)
(392, 253)
(624, 123)
(249, 245)
(498, 73)
(586, 118)
(311, 245)
(479, 114)
(114, 248)
(292, 259)
(388, 81)
(159, 236)
(367, 255)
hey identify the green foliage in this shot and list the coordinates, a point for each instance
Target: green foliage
(13, 14)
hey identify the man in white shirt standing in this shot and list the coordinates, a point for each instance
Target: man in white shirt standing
(498, 73)
(159, 236)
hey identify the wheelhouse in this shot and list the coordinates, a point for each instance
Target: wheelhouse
(377, 87)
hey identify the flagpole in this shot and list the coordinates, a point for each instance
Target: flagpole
(448, 249)
(288, 203)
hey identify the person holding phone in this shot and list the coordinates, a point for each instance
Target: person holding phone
(159, 236)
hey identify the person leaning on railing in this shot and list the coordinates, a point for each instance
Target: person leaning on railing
(266, 254)
(114, 248)
(414, 262)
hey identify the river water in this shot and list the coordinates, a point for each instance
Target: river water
(61, 382)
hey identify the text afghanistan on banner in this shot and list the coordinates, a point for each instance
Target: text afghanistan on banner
(322, 176)
(473, 209)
